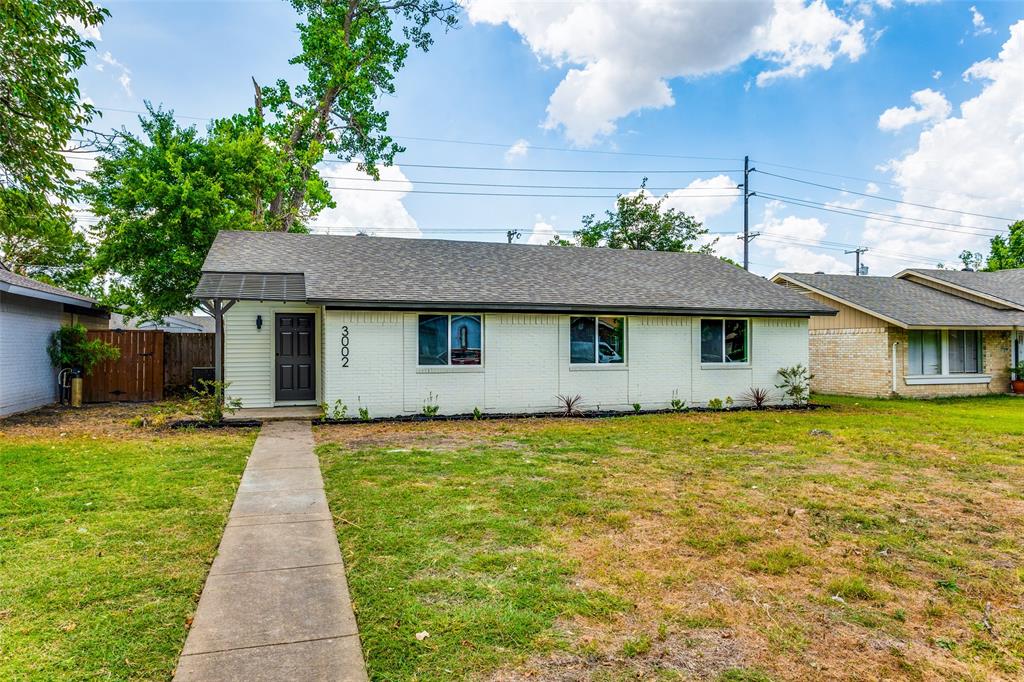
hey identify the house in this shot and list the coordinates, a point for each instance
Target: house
(392, 325)
(30, 311)
(922, 333)
(172, 324)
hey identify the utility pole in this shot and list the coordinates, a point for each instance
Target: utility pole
(747, 236)
(513, 234)
(857, 251)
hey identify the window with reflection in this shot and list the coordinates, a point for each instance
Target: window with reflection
(454, 340)
(597, 340)
(724, 341)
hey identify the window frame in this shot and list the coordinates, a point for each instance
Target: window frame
(946, 375)
(597, 342)
(449, 366)
(724, 363)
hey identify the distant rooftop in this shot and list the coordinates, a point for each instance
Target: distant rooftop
(1005, 285)
(905, 302)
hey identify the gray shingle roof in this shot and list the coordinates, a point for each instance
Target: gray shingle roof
(913, 305)
(258, 286)
(8, 277)
(1006, 285)
(387, 272)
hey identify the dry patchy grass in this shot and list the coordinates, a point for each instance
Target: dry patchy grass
(878, 539)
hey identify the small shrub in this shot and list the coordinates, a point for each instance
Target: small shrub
(477, 414)
(364, 414)
(729, 401)
(638, 646)
(715, 404)
(636, 408)
(339, 411)
(208, 402)
(570, 404)
(430, 407)
(795, 384)
(70, 348)
(758, 397)
(677, 404)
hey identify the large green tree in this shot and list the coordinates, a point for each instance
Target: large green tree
(1007, 252)
(41, 110)
(162, 197)
(351, 50)
(640, 223)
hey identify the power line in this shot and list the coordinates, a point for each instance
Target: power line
(508, 194)
(881, 198)
(881, 217)
(519, 186)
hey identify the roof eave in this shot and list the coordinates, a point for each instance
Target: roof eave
(903, 274)
(29, 292)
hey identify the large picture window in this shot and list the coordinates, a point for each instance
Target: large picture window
(597, 340)
(724, 341)
(450, 340)
(933, 352)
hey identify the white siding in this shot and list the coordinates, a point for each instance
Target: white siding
(249, 352)
(526, 365)
(27, 380)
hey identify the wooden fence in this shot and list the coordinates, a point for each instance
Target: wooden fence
(136, 376)
(182, 352)
(150, 362)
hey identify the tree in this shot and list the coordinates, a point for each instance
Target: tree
(971, 260)
(40, 105)
(41, 46)
(161, 199)
(1007, 252)
(351, 53)
(641, 224)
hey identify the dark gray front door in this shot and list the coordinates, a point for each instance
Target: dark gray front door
(294, 364)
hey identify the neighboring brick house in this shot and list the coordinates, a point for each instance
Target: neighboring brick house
(922, 333)
(394, 325)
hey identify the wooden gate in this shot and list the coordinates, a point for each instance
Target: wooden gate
(136, 376)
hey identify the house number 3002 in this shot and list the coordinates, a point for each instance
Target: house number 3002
(344, 346)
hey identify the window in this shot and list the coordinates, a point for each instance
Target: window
(450, 340)
(938, 352)
(964, 351)
(925, 352)
(597, 340)
(724, 341)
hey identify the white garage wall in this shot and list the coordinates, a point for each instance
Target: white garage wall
(27, 379)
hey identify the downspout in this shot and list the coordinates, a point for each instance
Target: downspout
(895, 346)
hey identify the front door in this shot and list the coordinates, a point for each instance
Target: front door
(294, 363)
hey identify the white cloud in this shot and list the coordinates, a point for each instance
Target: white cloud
(542, 233)
(936, 75)
(125, 76)
(87, 32)
(622, 55)
(789, 239)
(978, 20)
(930, 107)
(517, 151)
(872, 188)
(696, 198)
(380, 213)
(973, 162)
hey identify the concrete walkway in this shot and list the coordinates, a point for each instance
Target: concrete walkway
(275, 605)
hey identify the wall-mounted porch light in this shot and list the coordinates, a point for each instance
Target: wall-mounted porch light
(259, 322)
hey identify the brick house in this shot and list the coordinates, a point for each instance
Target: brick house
(395, 325)
(922, 333)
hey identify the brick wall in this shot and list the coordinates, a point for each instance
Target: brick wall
(859, 362)
(851, 362)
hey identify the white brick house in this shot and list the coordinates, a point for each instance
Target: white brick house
(392, 325)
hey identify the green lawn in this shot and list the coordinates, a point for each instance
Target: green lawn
(105, 540)
(876, 539)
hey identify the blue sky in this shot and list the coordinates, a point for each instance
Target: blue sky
(873, 90)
